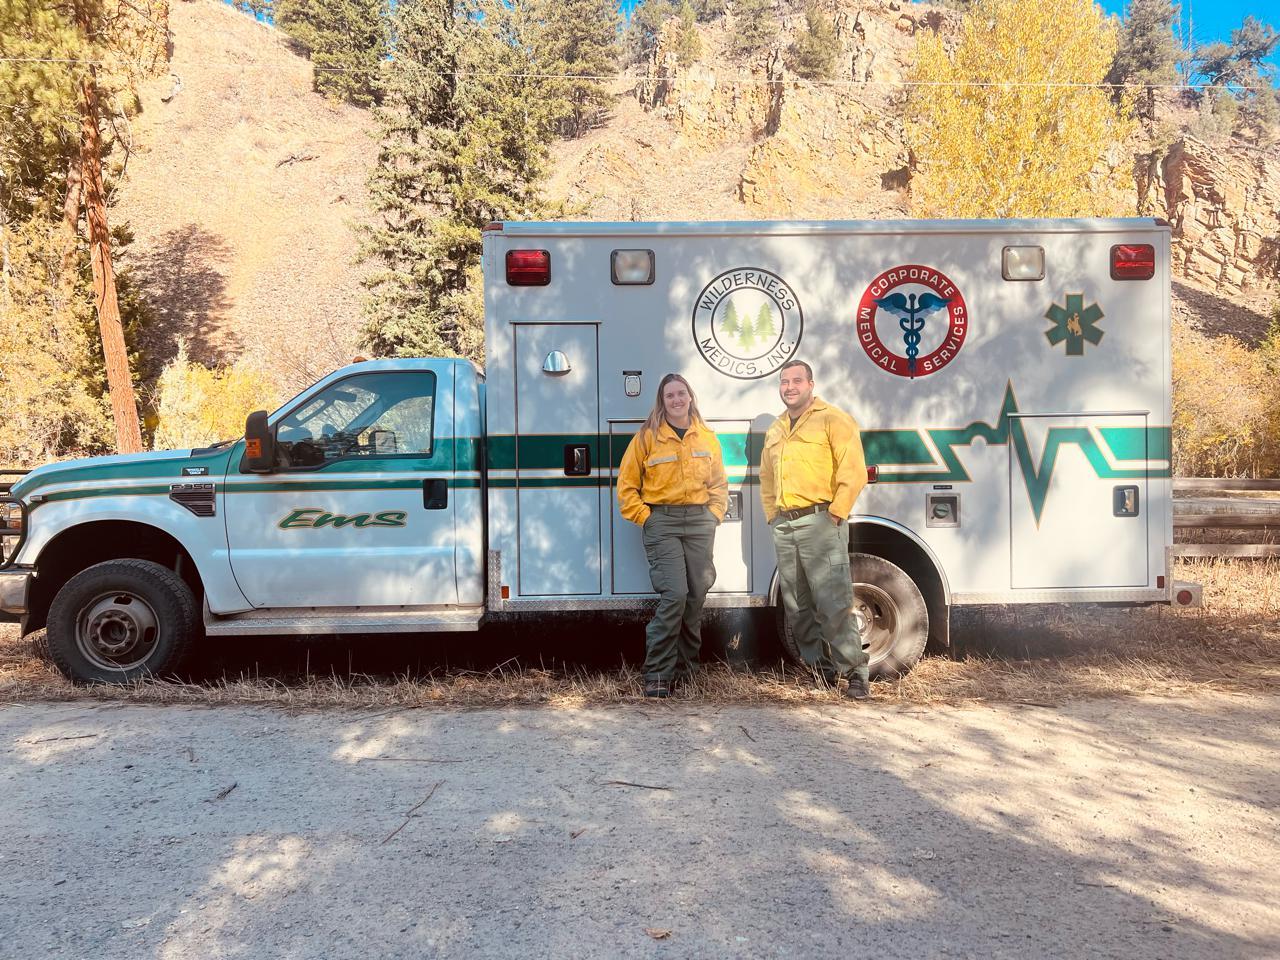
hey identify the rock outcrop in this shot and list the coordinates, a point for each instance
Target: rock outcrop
(1224, 204)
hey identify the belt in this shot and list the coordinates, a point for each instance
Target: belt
(803, 511)
(676, 508)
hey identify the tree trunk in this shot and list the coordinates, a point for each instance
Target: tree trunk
(119, 382)
(71, 216)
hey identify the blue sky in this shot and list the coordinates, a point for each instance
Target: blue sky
(1213, 19)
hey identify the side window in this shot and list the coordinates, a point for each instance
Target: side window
(368, 415)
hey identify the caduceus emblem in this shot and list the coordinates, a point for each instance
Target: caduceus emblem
(911, 312)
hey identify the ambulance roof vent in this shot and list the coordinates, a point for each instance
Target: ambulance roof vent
(556, 363)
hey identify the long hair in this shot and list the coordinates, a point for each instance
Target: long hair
(659, 411)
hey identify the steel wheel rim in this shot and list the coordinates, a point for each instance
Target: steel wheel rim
(117, 631)
(875, 619)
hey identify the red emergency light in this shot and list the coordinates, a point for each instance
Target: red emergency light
(1133, 261)
(528, 268)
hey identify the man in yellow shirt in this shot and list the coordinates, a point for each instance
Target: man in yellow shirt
(811, 472)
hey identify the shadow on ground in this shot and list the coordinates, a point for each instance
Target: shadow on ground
(552, 642)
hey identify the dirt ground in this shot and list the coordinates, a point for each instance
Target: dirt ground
(1127, 828)
(1084, 782)
(1001, 654)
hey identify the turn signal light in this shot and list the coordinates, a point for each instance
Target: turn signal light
(1133, 261)
(528, 268)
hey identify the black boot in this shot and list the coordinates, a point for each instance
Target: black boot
(657, 687)
(858, 689)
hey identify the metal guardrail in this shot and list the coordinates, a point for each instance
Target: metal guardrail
(1225, 513)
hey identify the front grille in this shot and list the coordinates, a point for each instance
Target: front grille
(196, 497)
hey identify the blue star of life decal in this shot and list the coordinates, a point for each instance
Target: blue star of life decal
(1075, 323)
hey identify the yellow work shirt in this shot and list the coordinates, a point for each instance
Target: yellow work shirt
(665, 469)
(819, 460)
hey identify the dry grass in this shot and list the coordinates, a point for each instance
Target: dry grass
(1010, 654)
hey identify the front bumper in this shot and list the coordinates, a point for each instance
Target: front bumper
(15, 585)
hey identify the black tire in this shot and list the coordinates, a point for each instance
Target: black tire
(120, 621)
(893, 606)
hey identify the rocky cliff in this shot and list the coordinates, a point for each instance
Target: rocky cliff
(718, 140)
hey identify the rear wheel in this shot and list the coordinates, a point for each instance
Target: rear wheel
(120, 621)
(889, 614)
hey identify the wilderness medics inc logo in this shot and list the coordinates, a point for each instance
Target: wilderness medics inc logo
(912, 321)
(747, 323)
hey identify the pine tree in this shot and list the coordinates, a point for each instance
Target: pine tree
(464, 133)
(813, 53)
(765, 327)
(345, 39)
(731, 325)
(578, 39)
(1244, 63)
(746, 331)
(754, 27)
(1149, 50)
(645, 26)
(80, 63)
(686, 42)
(1038, 160)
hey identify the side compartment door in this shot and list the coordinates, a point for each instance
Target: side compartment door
(359, 512)
(1078, 513)
(557, 460)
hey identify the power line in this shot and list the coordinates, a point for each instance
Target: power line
(765, 81)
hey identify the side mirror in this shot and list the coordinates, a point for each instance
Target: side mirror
(259, 444)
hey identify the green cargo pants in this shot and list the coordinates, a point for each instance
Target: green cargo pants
(817, 594)
(678, 541)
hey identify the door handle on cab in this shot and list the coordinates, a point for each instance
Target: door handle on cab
(435, 494)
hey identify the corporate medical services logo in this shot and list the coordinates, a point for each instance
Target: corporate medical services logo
(912, 321)
(747, 323)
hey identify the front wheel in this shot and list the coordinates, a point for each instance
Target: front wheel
(119, 621)
(889, 614)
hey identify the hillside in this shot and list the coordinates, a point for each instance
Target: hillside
(242, 193)
(245, 186)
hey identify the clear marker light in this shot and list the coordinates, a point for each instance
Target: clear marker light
(1023, 263)
(632, 267)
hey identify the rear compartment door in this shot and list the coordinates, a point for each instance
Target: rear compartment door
(1078, 502)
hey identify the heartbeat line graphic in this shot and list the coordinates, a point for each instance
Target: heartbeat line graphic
(906, 447)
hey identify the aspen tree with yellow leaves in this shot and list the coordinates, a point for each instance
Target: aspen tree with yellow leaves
(1015, 121)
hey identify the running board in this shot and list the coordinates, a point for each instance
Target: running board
(301, 621)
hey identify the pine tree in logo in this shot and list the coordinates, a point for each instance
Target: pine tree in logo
(766, 330)
(731, 325)
(746, 332)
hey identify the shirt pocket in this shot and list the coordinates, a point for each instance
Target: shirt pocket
(811, 447)
(700, 466)
(661, 474)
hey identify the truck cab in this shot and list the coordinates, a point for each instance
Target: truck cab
(356, 507)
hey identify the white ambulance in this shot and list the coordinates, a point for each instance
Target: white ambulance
(1011, 379)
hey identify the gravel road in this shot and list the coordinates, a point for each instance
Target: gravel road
(1122, 828)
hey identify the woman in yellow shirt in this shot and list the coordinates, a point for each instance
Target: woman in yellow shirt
(672, 483)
